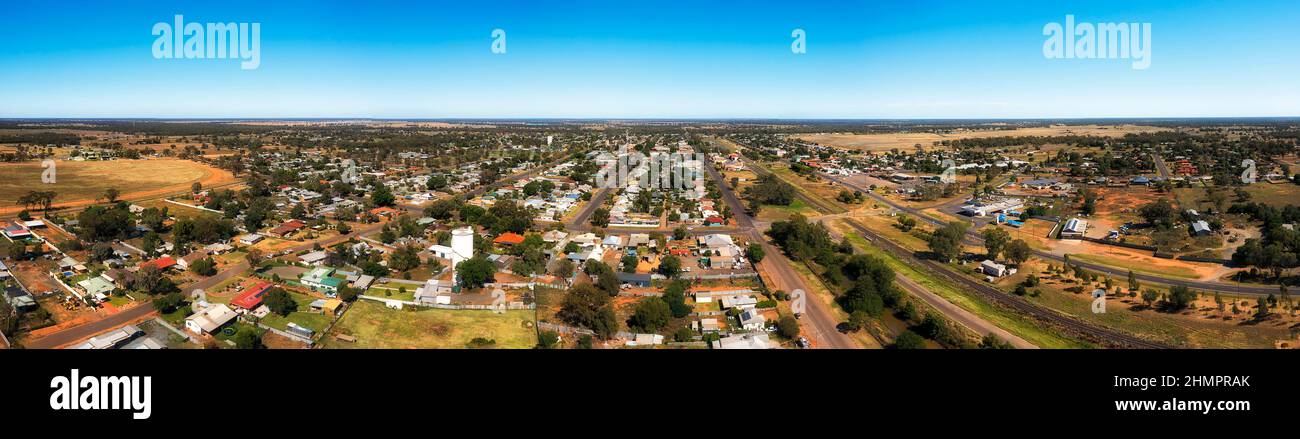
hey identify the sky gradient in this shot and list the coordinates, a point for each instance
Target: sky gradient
(653, 59)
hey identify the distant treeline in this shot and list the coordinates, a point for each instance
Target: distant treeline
(42, 138)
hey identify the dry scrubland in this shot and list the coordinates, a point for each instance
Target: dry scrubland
(907, 141)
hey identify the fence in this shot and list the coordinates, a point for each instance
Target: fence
(1121, 244)
(1201, 259)
(563, 329)
(718, 276)
(452, 306)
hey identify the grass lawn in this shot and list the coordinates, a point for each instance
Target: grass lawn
(771, 212)
(304, 316)
(393, 292)
(377, 326)
(1273, 194)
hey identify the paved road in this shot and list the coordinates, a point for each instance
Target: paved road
(1118, 273)
(821, 325)
(582, 221)
(1161, 165)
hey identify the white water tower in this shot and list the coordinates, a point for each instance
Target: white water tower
(462, 247)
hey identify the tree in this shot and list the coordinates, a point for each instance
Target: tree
(111, 195)
(196, 187)
(404, 258)
(991, 341)
(1159, 213)
(670, 266)
(788, 326)
(995, 239)
(1180, 297)
(675, 297)
(280, 302)
(564, 269)
(18, 250)
(1149, 296)
(547, 340)
(475, 272)
(909, 340)
(253, 257)
(600, 218)
(204, 267)
(382, 196)
(651, 314)
(629, 263)
(1133, 284)
(590, 308)
(755, 253)
(1017, 251)
(346, 293)
(906, 223)
(680, 233)
(247, 338)
(343, 228)
(945, 243)
(167, 303)
(1261, 308)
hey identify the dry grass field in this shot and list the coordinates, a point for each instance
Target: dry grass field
(908, 141)
(81, 183)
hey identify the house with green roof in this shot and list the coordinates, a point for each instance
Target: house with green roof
(322, 279)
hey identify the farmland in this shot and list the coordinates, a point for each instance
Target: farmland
(906, 141)
(81, 183)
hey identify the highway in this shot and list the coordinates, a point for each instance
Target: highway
(1119, 273)
(821, 324)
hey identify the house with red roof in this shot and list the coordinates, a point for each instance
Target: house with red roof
(384, 212)
(288, 228)
(162, 263)
(714, 221)
(252, 297)
(509, 238)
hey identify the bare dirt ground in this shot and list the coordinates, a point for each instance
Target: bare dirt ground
(907, 141)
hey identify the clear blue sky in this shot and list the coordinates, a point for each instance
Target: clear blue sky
(650, 59)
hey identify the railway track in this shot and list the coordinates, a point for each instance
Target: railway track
(1093, 333)
(1088, 331)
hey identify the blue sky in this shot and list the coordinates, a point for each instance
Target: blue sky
(650, 59)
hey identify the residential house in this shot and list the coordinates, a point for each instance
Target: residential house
(322, 279)
(752, 320)
(993, 268)
(209, 319)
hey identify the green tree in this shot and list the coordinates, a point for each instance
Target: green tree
(280, 302)
(475, 272)
(651, 314)
(945, 243)
(589, 307)
(670, 266)
(382, 196)
(788, 326)
(995, 239)
(909, 340)
(248, 338)
(755, 253)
